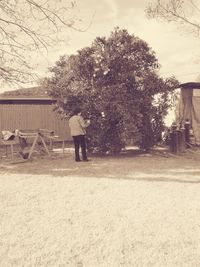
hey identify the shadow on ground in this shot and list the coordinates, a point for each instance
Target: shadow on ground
(133, 165)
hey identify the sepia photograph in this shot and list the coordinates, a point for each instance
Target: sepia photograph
(99, 133)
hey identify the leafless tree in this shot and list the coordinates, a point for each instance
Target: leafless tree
(184, 12)
(27, 26)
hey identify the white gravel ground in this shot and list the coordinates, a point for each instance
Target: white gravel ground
(92, 222)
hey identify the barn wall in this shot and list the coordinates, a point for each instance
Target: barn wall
(22, 116)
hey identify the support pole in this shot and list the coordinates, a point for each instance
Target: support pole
(174, 139)
(187, 132)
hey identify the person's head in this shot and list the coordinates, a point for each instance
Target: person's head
(76, 111)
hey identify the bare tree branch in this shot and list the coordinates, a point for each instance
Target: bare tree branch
(27, 26)
(183, 12)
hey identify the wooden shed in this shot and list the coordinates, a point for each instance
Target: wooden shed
(28, 109)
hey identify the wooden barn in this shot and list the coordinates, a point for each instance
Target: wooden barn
(31, 108)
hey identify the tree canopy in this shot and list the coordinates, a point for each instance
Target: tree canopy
(115, 81)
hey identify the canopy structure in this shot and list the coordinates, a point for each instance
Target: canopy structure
(189, 107)
(190, 85)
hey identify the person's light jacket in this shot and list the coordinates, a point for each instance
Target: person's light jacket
(78, 125)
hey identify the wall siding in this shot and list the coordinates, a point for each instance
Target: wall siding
(20, 116)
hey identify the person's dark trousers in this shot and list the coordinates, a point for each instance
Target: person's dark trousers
(79, 141)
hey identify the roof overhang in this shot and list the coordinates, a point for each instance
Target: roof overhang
(26, 98)
(190, 85)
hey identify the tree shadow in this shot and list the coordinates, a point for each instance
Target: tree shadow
(134, 165)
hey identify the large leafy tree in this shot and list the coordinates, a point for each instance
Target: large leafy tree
(115, 82)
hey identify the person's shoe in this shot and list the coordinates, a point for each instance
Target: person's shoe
(86, 160)
(77, 160)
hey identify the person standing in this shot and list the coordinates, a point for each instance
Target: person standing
(78, 130)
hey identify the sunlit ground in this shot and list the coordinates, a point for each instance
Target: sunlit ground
(132, 210)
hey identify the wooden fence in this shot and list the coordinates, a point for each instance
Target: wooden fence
(22, 116)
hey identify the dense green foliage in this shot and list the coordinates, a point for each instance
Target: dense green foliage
(115, 82)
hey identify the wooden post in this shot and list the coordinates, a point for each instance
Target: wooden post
(183, 143)
(187, 133)
(181, 140)
(12, 151)
(50, 143)
(174, 141)
(63, 146)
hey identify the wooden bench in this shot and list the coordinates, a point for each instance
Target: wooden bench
(49, 134)
(35, 136)
(56, 138)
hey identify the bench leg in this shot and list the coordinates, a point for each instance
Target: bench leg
(51, 144)
(45, 146)
(32, 147)
(12, 151)
(63, 146)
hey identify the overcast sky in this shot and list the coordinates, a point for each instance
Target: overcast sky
(178, 52)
